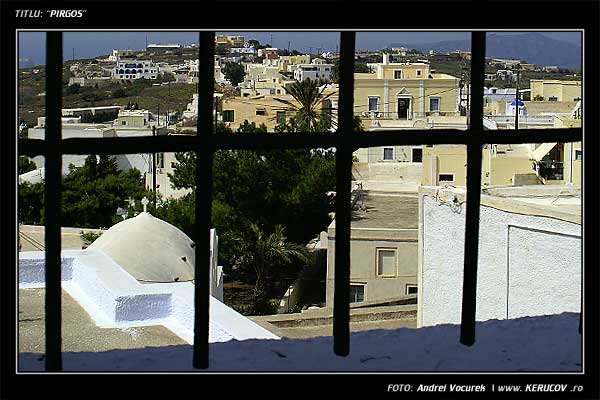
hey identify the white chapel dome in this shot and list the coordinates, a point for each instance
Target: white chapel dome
(149, 249)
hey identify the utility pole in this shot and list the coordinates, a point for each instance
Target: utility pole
(517, 99)
(73, 53)
(271, 41)
(289, 47)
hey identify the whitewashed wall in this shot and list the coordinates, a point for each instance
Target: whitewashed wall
(528, 265)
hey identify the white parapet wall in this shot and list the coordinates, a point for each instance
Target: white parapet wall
(113, 298)
(529, 265)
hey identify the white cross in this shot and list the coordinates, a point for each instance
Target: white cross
(145, 202)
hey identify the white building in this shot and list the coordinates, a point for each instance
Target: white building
(118, 54)
(529, 261)
(251, 51)
(140, 272)
(506, 75)
(135, 69)
(316, 70)
(163, 47)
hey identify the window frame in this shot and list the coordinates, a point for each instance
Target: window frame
(364, 291)
(384, 152)
(410, 286)
(378, 251)
(439, 103)
(206, 142)
(229, 113)
(369, 103)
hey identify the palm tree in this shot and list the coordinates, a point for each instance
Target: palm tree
(309, 98)
(260, 251)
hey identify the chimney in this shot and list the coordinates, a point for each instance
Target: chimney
(386, 57)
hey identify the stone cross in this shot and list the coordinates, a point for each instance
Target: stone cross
(145, 202)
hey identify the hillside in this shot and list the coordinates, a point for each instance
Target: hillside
(531, 47)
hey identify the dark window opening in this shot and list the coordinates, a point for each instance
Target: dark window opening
(357, 293)
(228, 116)
(417, 155)
(411, 289)
(446, 178)
(388, 153)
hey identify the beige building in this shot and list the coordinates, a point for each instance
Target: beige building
(502, 165)
(287, 61)
(235, 41)
(263, 109)
(508, 165)
(383, 248)
(133, 119)
(405, 91)
(555, 90)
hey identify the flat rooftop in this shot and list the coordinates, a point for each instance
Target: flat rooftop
(79, 331)
(561, 202)
(386, 210)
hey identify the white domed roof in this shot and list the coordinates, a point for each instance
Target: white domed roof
(149, 249)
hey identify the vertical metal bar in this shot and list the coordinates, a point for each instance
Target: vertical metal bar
(52, 203)
(204, 155)
(474, 149)
(341, 295)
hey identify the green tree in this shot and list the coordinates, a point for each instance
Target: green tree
(31, 203)
(118, 93)
(222, 49)
(92, 193)
(234, 73)
(261, 252)
(254, 43)
(290, 184)
(88, 237)
(307, 108)
(73, 89)
(26, 165)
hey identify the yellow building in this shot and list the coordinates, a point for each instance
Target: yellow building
(572, 152)
(235, 41)
(506, 165)
(502, 165)
(285, 61)
(405, 91)
(555, 90)
(258, 109)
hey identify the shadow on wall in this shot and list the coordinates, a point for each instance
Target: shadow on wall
(547, 343)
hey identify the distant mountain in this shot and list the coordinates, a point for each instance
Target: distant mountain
(532, 47)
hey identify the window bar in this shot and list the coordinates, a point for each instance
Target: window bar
(204, 155)
(341, 294)
(474, 149)
(52, 239)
